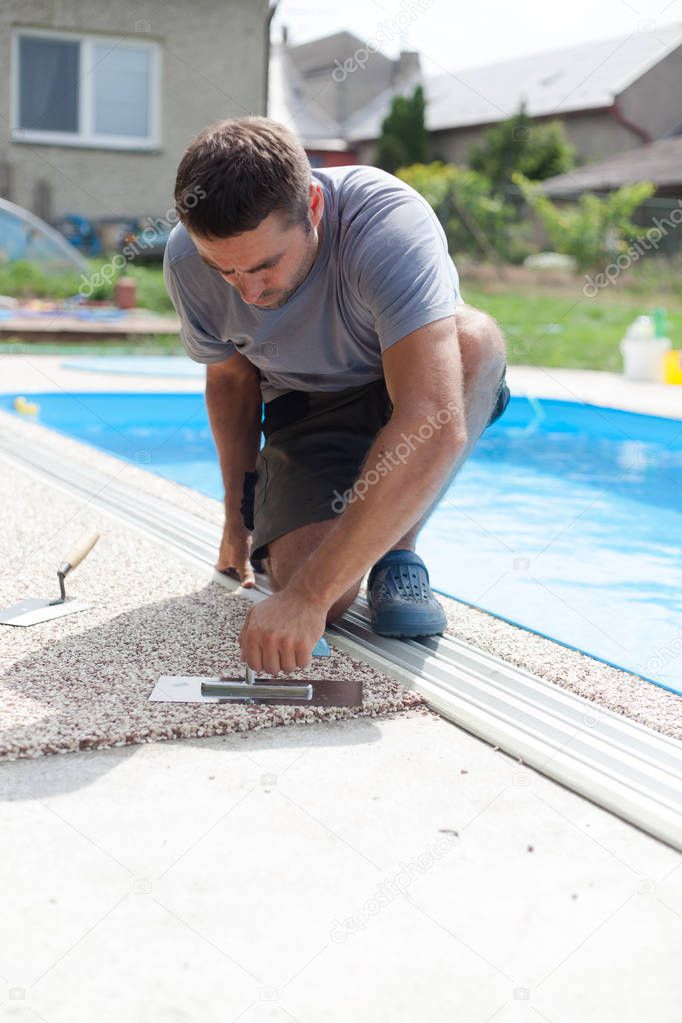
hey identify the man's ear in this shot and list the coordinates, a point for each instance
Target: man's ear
(316, 203)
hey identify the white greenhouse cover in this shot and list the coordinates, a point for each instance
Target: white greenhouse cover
(25, 236)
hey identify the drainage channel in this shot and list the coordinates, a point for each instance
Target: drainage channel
(616, 763)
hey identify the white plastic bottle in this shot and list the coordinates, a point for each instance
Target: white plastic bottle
(643, 352)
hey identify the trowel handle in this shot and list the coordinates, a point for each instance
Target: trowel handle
(79, 551)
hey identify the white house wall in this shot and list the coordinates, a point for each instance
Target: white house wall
(213, 55)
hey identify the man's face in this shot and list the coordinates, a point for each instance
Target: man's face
(268, 264)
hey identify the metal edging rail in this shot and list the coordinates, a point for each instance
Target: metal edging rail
(618, 764)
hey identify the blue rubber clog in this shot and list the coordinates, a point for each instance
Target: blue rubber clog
(400, 598)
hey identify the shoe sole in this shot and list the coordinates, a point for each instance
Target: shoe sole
(410, 630)
(407, 635)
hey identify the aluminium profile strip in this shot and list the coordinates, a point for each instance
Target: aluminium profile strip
(618, 764)
(188, 534)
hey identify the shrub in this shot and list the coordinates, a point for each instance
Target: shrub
(592, 230)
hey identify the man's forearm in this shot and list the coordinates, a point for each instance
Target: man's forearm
(399, 482)
(234, 412)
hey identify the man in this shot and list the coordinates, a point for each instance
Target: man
(331, 296)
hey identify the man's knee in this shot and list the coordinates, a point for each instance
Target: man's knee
(343, 602)
(481, 343)
(288, 551)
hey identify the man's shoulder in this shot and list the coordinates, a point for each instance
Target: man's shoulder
(362, 197)
(179, 245)
(375, 209)
(351, 173)
(360, 179)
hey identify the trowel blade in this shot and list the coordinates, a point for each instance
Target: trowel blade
(326, 692)
(37, 609)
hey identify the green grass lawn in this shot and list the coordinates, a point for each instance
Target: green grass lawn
(543, 326)
(23, 280)
(148, 344)
(26, 280)
(570, 331)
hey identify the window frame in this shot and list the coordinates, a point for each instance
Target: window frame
(86, 137)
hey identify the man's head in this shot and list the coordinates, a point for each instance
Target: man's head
(257, 221)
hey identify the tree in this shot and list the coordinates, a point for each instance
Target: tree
(404, 139)
(538, 150)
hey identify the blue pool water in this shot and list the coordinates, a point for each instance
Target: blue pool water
(567, 519)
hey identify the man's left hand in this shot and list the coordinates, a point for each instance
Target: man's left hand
(279, 633)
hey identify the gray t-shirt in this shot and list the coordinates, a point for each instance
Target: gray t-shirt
(382, 271)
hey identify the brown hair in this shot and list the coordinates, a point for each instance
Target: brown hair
(247, 167)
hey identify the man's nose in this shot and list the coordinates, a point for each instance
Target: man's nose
(250, 289)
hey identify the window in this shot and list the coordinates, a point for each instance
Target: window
(85, 90)
(48, 84)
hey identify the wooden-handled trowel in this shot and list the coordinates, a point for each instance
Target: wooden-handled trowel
(42, 609)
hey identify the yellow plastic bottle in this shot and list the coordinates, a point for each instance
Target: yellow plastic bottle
(672, 367)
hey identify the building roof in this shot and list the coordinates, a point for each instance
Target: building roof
(659, 162)
(288, 102)
(585, 77)
(320, 54)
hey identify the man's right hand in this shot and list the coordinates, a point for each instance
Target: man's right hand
(235, 551)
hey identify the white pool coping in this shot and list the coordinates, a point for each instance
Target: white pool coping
(610, 390)
(34, 373)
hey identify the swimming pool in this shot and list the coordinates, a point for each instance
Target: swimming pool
(566, 520)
